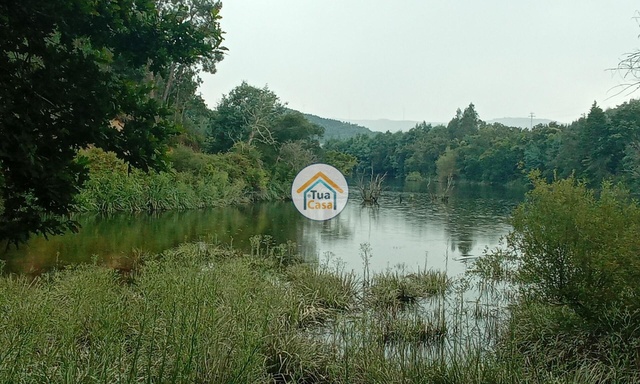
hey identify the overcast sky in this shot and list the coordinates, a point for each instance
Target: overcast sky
(421, 59)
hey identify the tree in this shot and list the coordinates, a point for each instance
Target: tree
(593, 140)
(500, 162)
(423, 146)
(247, 114)
(342, 161)
(292, 158)
(464, 123)
(73, 76)
(568, 158)
(470, 121)
(446, 166)
(295, 145)
(293, 126)
(176, 86)
(541, 148)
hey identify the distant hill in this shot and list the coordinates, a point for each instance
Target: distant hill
(520, 122)
(336, 129)
(384, 125)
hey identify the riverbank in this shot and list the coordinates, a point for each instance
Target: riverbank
(192, 180)
(208, 313)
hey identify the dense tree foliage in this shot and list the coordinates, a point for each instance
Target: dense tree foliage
(78, 73)
(254, 119)
(246, 114)
(601, 145)
(578, 249)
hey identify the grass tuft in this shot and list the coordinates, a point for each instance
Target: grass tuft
(392, 289)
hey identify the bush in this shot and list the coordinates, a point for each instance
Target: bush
(578, 249)
(415, 177)
(573, 255)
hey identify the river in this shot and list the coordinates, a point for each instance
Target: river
(408, 229)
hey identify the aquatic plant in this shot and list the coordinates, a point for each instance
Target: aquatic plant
(394, 288)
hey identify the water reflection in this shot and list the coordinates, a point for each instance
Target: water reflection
(113, 239)
(408, 228)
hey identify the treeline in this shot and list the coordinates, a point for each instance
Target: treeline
(248, 149)
(251, 146)
(600, 145)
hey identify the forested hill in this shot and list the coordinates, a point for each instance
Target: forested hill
(335, 129)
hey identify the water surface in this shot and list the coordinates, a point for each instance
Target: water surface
(408, 228)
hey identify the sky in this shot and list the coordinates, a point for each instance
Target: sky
(421, 59)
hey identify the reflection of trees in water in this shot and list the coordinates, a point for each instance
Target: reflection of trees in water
(114, 238)
(471, 213)
(336, 228)
(459, 228)
(310, 231)
(464, 243)
(475, 211)
(280, 221)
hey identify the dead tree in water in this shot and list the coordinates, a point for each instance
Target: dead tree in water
(443, 196)
(370, 191)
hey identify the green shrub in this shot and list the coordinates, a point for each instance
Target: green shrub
(185, 159)
(573, 255)
(578, 249)
(242, 164)
(415, 177)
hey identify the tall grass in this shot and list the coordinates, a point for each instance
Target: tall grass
(114, 187)
(193, 314)
(206, 313)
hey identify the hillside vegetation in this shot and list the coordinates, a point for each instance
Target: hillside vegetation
(338, 130)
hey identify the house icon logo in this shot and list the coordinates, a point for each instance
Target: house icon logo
(316, 200)
(320, 192)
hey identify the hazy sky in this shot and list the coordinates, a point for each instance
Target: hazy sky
(421, 59)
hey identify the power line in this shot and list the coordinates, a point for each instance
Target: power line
(532, 115)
